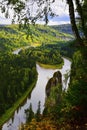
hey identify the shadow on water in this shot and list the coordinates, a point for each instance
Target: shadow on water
(38, 94)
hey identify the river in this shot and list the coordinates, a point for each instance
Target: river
(38, 94)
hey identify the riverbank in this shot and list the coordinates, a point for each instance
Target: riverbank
(11, 111)
(47, 66)
(55, 97)
(38, 94)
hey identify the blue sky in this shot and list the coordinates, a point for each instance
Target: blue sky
(59, 7)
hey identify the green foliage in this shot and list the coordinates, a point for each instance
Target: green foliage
(11, 37)
(70, 112)
(82, 18)
(17, 73)
(29, 114)
(38, 113)
(76, 95)
(65, 28)
(53, 103)
(44, 54)
(77, 59)
(66, 49)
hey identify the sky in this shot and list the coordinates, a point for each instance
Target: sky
(59, 7)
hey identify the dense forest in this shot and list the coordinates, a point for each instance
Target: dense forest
(44, 54)
(17, 74)
(64, 109)
(18, 71)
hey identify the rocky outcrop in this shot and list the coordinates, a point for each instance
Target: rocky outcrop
(54, 81)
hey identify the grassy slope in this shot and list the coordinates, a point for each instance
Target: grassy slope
(47, 66)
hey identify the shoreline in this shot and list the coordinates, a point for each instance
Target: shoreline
(7, 115)
(48, 66)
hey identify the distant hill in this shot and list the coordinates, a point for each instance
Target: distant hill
(64, 28)
(11, 37)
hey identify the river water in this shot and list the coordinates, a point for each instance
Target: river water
(38, 94)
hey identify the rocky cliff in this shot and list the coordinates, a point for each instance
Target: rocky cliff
(54, 81)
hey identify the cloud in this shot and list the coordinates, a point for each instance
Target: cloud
(4, 21)
(59, 7)
(57, 22)
(64, 19)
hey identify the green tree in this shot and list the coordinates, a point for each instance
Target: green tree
(80, 12)
(29, 114)
(43, 11)
(73, 22)
(84, 10)
(38, 113)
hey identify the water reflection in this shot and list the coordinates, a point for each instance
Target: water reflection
(38, 94)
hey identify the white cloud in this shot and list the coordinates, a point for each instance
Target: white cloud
(59, 7)
(52, 22)
(4, 20)
(57, 22)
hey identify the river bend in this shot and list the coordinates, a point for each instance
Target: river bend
(38, 94)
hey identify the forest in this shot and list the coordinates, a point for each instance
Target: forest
(63, 109)
(18, 72)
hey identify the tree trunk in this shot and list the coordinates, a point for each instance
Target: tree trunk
(73, 22)
(80, 12)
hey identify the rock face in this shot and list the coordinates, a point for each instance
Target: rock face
(55, 80)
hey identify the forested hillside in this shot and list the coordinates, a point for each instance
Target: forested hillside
(65, 28)
(11, 37)
(18, 72)
(65, 109)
